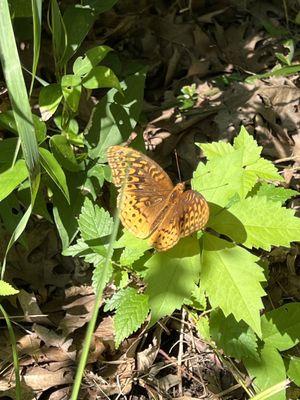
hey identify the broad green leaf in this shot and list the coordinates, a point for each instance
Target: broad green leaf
(7, 121)
(248, 181)
(94, 222)
(71, 90)
(293, 371)
(265, 169)
(78, 20)
(237, 339)
(267, 371)
(6, 289)
(265, 223)
(115, 116)
(220, 178)
(12, 177)
(79, 248)
(63, 152)
(7, 150)
(171, 277)
(98, 275)
(130, 315)
(232, 280)
(281, 327)
(83, 65)
(100, 6)
(120, 296)
(55, 171)
(134, 248)
(246, 142)
(273, 193)
(216, 149)
(49, 98)
(101, 77)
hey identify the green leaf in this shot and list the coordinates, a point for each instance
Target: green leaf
(130, 315)
(231, 279)
(78, 20)
(273, 193)
(216, 187)
(71, 90)
(281, 327)
(55, 171)
(49, 98)
(101, 77)
(237, 339)
(83, 65)
(171, 277)
(215, 149)
(265, 169)
(6, 289)
(58, 29)
(246, 142)
(265, 223)
(63, 152)
(115, 116)
(293, 371)
(267, 371)
(98, 275)
(134, 248)
(203, 328)
(94, 222)
(118, 297)
(12, 177)
(7, 121)
(7, 150)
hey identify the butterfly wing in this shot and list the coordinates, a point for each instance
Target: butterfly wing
(193, 214)
(146, 189)
(189, 214)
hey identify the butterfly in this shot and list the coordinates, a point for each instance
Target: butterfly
(150, 205)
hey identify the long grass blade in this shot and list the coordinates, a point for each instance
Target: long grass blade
(37, 23)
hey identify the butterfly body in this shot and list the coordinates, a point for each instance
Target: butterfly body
(150, 205)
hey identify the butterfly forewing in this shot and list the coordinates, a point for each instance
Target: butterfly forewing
(146, 189)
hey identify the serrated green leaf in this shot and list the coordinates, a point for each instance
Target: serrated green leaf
(134, 248)
(49, 98)
(121, 295)
(6, 289)
(248, 181)
(268, 371)
(55, 171)
(273, 193)
(198, 298)
(246, 142)
(130, 315)
(237, 339)
(12, 177)
(217, 187)
(203, 328)
(83, 65)
(98, 278)
(76, 249)
(94, 222)
(265, 223)
(265, 169)
(231, 279)
(293, 370)
(281, 327)
(216, 149)
(171, 277)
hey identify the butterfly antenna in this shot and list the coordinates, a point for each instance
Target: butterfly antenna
(177, 164)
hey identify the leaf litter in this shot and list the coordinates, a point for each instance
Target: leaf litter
(212, 45)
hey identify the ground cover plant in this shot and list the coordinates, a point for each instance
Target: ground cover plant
(90, 310)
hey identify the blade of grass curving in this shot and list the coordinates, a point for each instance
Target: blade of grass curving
(36, 6)
(14, 353)
(22, 113)
(99, 291)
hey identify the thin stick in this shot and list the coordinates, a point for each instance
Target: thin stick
(177, 164)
